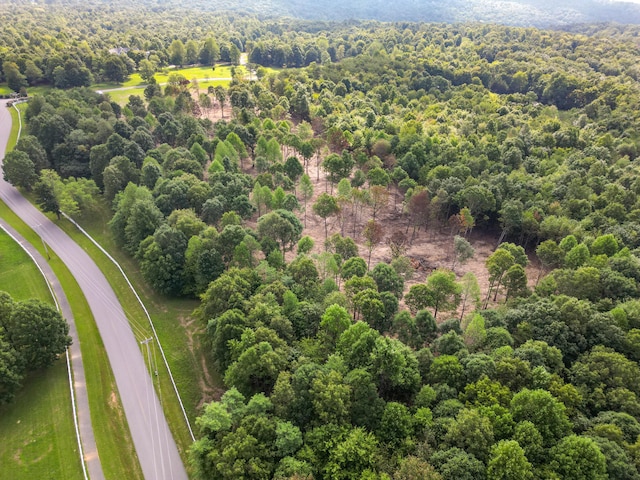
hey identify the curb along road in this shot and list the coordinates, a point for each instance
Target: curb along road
(154, 444)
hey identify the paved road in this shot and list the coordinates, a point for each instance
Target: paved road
(89, 449)
(154, 444)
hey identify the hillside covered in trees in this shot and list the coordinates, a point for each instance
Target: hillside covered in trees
(539, 13)
(299, 208)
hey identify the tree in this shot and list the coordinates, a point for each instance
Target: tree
(282, 226)
(15, 79)
(419, 208)
(471, 432)
(114, 69)
(379, 199)
(221, 96)
(470, 292)
(373, 233)
(31, 146)
(293, 168)
(325, 207)
(508, 462)
(354, 267)
(37, 332)
(395, 424)
(605, 245)
(414, 468)
(162, 258)
(177, 52)
(475, 334)
(11, 370)
(46, 195)
(546, 413)
(417, 298)
(335, 321)
(146, 69)
(191, 52)
(387, 279)
(331, 398)
(258, 366)
(210, 52)
(306, 189)
(338, 167)
(446, 369)
(511, 215)
(550, 254)
(357, 452)
(19, 170)
(479, 199)
(578, 458)
(456, 464)
(443, 292)
(462, 251)
(142, 220)
(377, 176)
(498, 263)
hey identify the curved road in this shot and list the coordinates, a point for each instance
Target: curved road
(154, 444)
(89, 449)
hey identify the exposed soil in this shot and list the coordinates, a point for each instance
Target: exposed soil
(433, 248)
(208, 388)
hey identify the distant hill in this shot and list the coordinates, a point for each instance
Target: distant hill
(511, 12)
(536, 13)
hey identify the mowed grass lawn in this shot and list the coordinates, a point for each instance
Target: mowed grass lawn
(38, 435)
(162, 77)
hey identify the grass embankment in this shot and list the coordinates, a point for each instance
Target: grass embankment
(38, 435)
(15, 125)
(115, 446)
(179, 334)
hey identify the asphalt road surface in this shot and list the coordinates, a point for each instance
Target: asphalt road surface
(154, 444)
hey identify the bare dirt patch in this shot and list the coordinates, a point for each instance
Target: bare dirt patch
(208, 386)
(434, 247)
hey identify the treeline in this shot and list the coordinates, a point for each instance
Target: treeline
(542, 13)
(68, 46)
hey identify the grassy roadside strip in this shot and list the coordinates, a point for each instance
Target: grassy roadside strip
(113, 439)
(172, 322)
(15, 125)
(37, 431)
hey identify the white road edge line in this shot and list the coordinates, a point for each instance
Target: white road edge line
(73, 398)
(164, 358)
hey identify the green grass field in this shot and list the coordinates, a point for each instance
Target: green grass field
(178, 332)
(121, 97)
(15, 125)
(38, 435)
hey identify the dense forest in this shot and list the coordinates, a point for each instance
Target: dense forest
(538, 13)
(266, 199)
